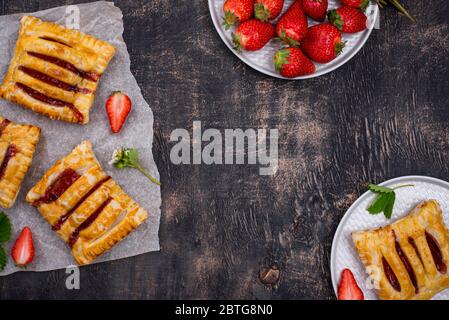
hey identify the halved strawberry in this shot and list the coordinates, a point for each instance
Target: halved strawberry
(23, 250)
(348, 288)
(118, 107)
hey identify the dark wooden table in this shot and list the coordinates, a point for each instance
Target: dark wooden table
(382, 115)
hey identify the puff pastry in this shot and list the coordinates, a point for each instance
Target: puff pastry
(17, 146)
(408, 259)
(55, 70)
(87, 208)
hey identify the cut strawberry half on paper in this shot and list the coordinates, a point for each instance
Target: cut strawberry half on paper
(23, 250)
(348, 288)
(118, 107)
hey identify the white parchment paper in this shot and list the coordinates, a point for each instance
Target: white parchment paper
(103, 20)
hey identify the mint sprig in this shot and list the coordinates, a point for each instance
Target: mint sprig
(384, 202)
(5, 234)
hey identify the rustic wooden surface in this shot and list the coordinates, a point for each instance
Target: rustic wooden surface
(383, 114)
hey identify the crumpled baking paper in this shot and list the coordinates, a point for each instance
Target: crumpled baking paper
(102, 20)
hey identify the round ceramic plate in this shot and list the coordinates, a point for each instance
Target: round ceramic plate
(357, 218)
(262, 60)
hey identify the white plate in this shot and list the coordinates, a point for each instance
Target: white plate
(356, 218)
(262, 60)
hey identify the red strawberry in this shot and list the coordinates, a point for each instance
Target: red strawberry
(316, 9)
(292, 26)
(291, 63)
(118, 107)
(265, 10)
(23, 250)
(237, 11)
(252, 35)
(361, 4)
(348, 19)
(348, 288)
(323, 43)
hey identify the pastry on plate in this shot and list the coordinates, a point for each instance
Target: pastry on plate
(409, 258)
(17, 145)
(85, 206)
(55, 70)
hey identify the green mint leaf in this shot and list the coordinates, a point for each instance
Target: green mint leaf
(3, 259)
(385, 200)
(379, 189)
(379, 203)
(388, 211)
(5, 228)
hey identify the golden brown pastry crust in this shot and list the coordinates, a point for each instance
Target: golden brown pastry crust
(406, 248)
(23, 138)
(93, 197)
(84, 52)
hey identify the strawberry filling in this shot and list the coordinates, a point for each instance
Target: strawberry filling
(406, 264)
(54, 40)
(3, 125)
(58, 187)
(437, 255)
(413, 244)
(51, 101)
(92, 76)
(52, 81)
(64, 218)
(75, 235)
(11, 151)
(391, 276)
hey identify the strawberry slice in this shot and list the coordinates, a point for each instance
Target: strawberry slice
(23, 249)
(118, 107)
(348, 288)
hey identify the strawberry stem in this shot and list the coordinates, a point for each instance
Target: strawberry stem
(261, 12)
(146, 174)
(398, 6)
(403, 186)
(229, 20)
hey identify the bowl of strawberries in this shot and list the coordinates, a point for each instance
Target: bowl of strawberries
(294, 39)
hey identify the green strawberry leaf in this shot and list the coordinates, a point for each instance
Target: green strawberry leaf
(229, 20)
(379, 189)
(388, 211)
(3, 259)
(379, 203)
(5, 228)
(335, 19)
(364, 5)
(384, 202)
